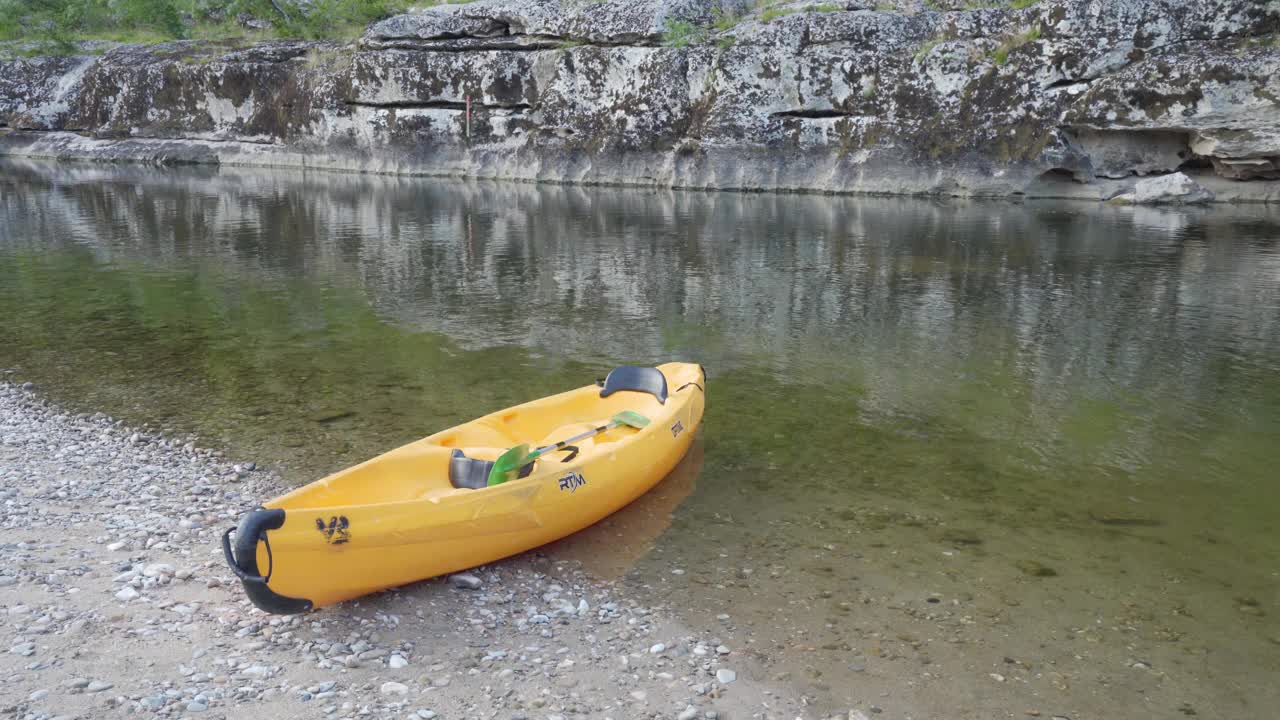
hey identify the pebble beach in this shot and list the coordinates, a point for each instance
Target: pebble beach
(116, 602)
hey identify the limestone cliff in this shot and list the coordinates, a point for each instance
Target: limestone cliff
(1079, 98)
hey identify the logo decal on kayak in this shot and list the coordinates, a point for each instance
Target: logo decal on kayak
(335, 533)
(572, 482)
(677, 429)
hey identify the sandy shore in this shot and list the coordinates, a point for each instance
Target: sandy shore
(115, 602)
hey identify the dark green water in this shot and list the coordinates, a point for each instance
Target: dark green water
(945, 441)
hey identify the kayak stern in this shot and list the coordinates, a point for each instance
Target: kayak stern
(244, 561)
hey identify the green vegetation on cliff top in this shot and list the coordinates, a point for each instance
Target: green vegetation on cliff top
(62, 22)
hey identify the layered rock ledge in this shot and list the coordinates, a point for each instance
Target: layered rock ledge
(1064, 98)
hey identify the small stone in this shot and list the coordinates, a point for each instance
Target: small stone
(657, 649)
(127, 593)
(638, 695)
(726, 676)
(997, 677)
(157, 570)
(689, 713)
(722, 650)
(97, 686)
(426, 714)
(396, 662)
(24, 649)
(38, 696)
(394, 688)
(465, 581)
(194, 706)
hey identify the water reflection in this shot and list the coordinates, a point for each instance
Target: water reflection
(1059, 419)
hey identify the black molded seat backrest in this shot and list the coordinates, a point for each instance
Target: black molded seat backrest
(471, 474)
(639, 379)
(468, 473)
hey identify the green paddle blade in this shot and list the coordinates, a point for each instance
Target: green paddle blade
(631, 419)
(508, 464)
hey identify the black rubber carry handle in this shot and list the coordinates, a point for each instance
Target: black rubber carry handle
(231, 560)
(244, 558)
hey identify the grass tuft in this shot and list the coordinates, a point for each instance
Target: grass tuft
(927, 46)
(723, 20)
(681, 33)
(1001, 53)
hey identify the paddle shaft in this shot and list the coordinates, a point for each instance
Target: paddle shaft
(580, 436)
(509, 462)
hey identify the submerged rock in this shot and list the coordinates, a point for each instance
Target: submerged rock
(1035, 568)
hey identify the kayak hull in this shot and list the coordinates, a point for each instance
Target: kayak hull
(396, 519)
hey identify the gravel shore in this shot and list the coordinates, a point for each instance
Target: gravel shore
(115, 602)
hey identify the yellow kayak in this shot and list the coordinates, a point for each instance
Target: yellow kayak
(426, 509)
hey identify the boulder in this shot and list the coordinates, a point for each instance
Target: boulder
(1173, 189)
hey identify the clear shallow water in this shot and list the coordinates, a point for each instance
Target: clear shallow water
(946, 442)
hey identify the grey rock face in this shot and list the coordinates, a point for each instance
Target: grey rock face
(503, 24)
(36, 93)
(688, 93)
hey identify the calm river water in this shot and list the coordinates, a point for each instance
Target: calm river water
(960, 460)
